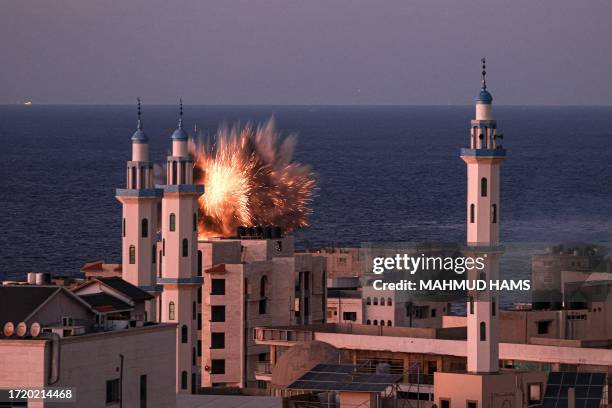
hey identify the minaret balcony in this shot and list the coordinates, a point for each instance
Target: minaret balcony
(497, 152)
(181, 188)
(143, 192)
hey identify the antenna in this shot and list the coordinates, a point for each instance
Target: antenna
(139, 113)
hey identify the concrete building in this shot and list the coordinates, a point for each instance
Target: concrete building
(57, 341)
(248, 283)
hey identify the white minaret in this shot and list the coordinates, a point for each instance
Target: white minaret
(483, 159)
(179, 255)
(140, 214)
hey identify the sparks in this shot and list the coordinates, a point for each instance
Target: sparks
(251, 179)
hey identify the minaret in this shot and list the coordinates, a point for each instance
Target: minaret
(179, 254)
(483, 159)
(140, 216)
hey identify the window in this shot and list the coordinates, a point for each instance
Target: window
(142, 177)
(368, 301)
(195, 222)
(199, 348)
(200, 294)
(153, 255)
(113, 389)
(199, 263)
(171, 311)
(262, 295)
(472, 215)
(375, 322)
(217, 287)
(123, 227)
(444, 403)
(174, 170)
(184, 333)
(389, 302)
(217, 366)
(471, 305)
(193, 356)
(382, 322)
(172, 222)
(494, 213)
(382, 301)
(433, 312)
(199, 321)
(193, 310)
(483, 331)
(389, 323)
(493, 306)
(144, 228)
(143, 391)
(471, 404)
(185, 247)
(133, 177)
(352, 316)
(184, 380)
(375, 302)
(183, 171)
(368, 321)
(132, 254)
(164, 247)
(543, 326)
(217, 313)
(535, 393)
(483, 187)
(217, 340)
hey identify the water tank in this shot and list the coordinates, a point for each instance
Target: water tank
(32, 278)
(43, 278)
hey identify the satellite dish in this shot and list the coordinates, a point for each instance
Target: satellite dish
(9, 328)
(22, 329)
(35, 329)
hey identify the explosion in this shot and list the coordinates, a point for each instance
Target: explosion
(250, 180)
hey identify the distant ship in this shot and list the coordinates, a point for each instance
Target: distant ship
(27, 103)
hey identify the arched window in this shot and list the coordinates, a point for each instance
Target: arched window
(483, 331)
(483, 187)
(172, 222)
(195, 222)
(199, 263)
(144, 228)
(132, 254)
(382, 322)
(471, 305)
(368, 301)
(193, 356)
(389, 323)
(153, 254)
(472, 213)
(194, 310)
(200, 294)
(185, 247)
(173, 172)
(494, 213)
(493, 306)
(184, 332)
(171, 311)
(142, 177)
(389, 302)
(368, 322)
(184, 380)
(164, 247)
(262, 295)
(375, 322)
(375, 302)
(123, 227)
(159, 274)
(133, 177)
(183, 172)
(382, 301)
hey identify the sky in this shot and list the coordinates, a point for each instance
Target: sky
(415, 52)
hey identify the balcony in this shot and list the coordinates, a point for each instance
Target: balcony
(281, 336)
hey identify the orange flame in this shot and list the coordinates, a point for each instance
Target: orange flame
(251, 179)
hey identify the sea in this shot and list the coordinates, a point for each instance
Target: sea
(384, 174)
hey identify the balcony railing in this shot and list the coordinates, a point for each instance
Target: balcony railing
(282, 335)
(263, 367)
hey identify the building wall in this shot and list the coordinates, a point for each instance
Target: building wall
(62, 305)
(88, 361)
(22, 364)
(336, 307)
